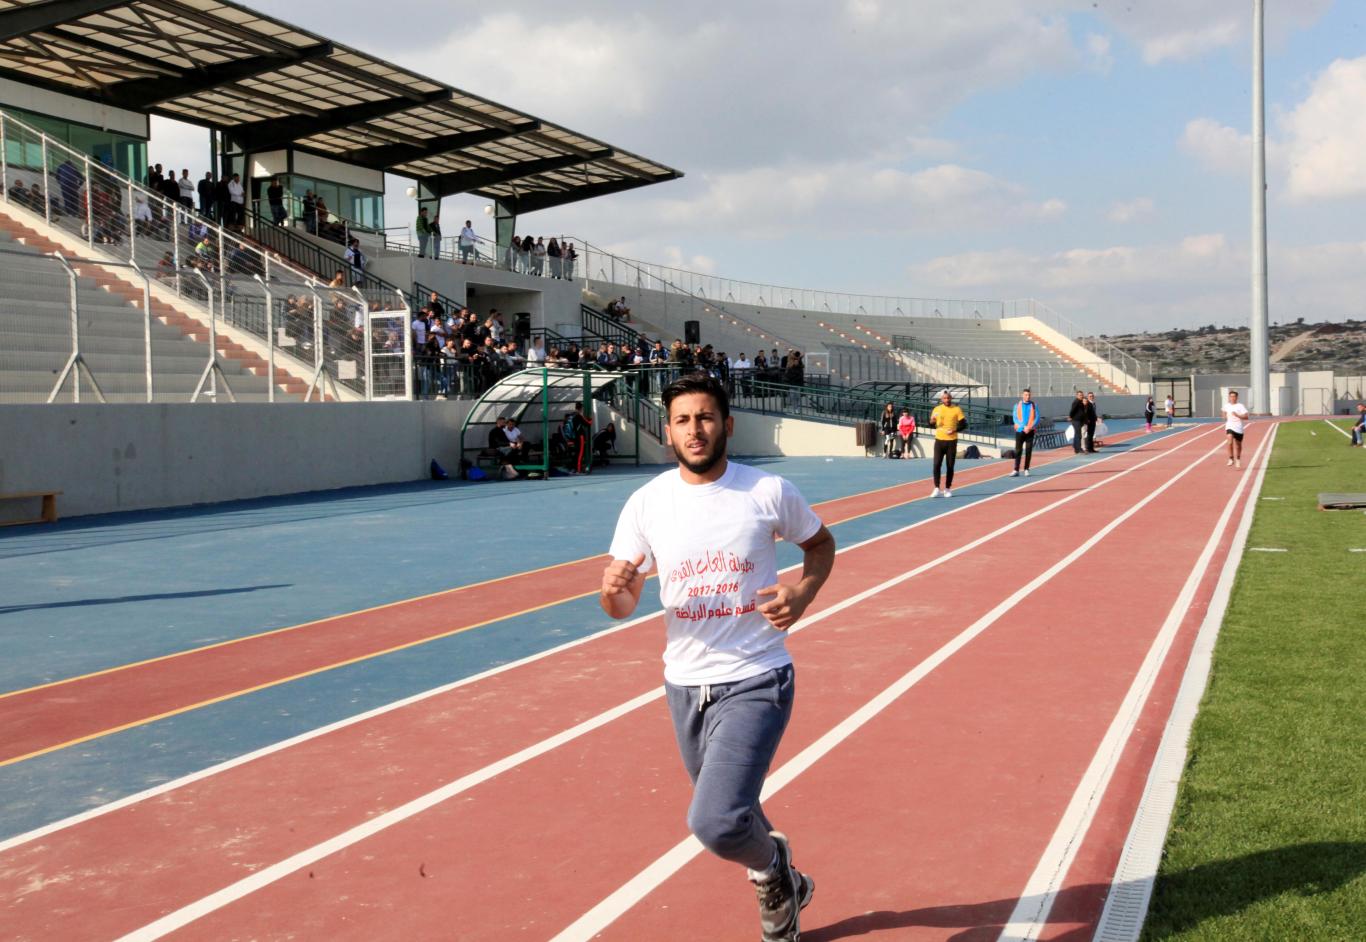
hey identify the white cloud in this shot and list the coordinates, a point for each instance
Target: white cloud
(1131, 210)
(1326, 135)
(1319, 148)
(1099, 54)
(1177, 30)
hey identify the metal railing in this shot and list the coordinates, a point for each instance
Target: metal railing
(335, 333)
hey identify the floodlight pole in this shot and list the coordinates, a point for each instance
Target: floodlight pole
(1260, 366)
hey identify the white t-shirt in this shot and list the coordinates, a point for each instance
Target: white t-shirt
(1169, 406)
(713, 546)
(1235, 416)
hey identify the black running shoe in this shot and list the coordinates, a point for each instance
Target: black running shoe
(783, 897)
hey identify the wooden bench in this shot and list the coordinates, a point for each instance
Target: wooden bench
(49, 514)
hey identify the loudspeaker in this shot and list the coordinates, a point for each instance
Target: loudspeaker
(692, 331)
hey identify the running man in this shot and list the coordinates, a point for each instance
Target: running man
(1026, 416)
(946, 420)
(708, 529)
(1235, 422)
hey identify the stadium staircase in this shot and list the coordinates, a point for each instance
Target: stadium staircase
(36, 329)
(1095, 377)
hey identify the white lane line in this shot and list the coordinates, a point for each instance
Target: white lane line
(1036, 900)
(1338, 428)
(634, 890)
(263, 752)
(1126, 906)
(1267, 549)
(244, 887)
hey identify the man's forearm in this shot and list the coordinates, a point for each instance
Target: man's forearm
(818, 559)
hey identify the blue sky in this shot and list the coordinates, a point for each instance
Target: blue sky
(1091, 155)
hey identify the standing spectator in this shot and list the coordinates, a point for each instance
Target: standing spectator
(170, 188)
(155, 177)
(424, 231)
(946, 420)
(1026, 416)
(467, 241)
(905, 430)
(1169, 406)
(275, 196)
(577, 428)
(237, 201)
(888, 425)
(1149, 413)
(570, 257)
(535, 354)
(436, 234)
(357, 260)
(1077, 416)
(552, 252)
(187, 189)
(1092, 416)
(794, 372)
(538, 257)
(310, 209)
(524, 254)
(69, 179)
(206, 189)
(220, 200)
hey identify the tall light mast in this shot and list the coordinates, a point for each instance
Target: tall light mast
(1260, 366)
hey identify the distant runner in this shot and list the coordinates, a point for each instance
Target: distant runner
(1235, 421)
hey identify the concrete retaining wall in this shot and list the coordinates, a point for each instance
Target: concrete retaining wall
(131, 457)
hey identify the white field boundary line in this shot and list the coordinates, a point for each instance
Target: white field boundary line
(1126, 906)
(1030, 915)
(634, 890)
(263, 752)
(193, 911)
(1338, 428)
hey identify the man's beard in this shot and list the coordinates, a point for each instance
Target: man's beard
(708, 459)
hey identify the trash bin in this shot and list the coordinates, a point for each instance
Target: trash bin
(865, 434)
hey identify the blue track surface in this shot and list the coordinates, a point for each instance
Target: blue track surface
(93, 593)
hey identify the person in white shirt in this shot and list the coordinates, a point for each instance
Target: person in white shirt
(536, 352)
(467, 241)
(236, 214)
(187, 189)
(708, 528)
(1169, 406)
(1235, 423)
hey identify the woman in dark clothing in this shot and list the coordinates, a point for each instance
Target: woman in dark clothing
(888, 422)
(1149, 412)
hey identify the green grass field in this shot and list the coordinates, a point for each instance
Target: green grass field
(1269, 837)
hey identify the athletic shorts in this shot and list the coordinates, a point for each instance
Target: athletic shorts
(1237, 436)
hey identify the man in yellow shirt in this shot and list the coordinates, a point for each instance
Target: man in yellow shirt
(946, 420)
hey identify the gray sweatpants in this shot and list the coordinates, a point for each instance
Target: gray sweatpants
(727, 735)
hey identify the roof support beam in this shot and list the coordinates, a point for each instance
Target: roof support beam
(530, 202)
(140, 93)
(465, 181)
(279, 132)
(20, 21)
(384, 156)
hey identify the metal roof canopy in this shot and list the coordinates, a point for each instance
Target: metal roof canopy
(536, 398)
(267, 84)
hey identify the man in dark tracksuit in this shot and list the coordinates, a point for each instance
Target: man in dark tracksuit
(1091, 417)
(1077, 416)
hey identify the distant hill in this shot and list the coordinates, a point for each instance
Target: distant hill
(1340, 347)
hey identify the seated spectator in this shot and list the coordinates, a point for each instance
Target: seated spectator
(536, 354)
(520, 449)
(166, 267)
(604, 442)
(513, 356)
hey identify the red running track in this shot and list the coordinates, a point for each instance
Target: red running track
(64, 713)
(931, 815)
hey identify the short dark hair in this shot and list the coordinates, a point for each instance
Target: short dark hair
(703, 383)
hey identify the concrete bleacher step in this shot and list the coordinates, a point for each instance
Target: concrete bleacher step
(110, 306)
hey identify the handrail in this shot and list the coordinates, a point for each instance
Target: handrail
(607, 328)
(312, 256)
